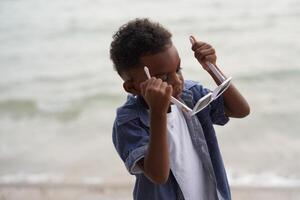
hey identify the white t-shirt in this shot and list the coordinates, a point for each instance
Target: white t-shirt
(184, 161)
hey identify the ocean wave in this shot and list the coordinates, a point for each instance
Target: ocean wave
(54, 79)
(18, 108)
(276, 75)
(263, 180)
(29, 108)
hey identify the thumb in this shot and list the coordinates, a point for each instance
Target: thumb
(192, 40)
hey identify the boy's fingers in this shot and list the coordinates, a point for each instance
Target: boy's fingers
(155, 85)
(151, 82)
(210, 58)
(144, 85)
(198, 54)
(204, 46)
(198, 45)
(163, 86)
(158, 81)
(169, 90)
(206, 52)
(155, 82)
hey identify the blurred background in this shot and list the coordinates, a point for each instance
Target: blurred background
(59, 92)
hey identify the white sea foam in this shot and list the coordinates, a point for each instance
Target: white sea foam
(55, 179)
(26, 178)
(248, 180)
(263, 180)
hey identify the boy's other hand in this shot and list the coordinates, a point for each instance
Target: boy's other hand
(203, 52)
(157, 94)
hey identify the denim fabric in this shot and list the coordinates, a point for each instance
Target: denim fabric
(131, 138)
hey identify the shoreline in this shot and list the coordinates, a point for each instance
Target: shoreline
(123, 191)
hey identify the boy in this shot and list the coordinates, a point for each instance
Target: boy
(173, 155)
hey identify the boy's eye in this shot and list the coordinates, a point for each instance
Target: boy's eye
(164, 77)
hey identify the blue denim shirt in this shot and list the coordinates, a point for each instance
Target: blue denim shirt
(131, 138)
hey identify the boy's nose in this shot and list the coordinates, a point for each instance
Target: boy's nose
(177, 79)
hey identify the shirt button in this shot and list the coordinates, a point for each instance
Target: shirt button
(203, 149)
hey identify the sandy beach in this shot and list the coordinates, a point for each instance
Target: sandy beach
(123, 192)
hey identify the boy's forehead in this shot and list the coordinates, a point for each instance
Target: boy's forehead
(161, 61)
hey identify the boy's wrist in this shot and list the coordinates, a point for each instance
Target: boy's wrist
(157, 112)
(218, 78)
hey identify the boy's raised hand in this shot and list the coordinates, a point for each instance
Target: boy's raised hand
(157, 94)
(203, 52)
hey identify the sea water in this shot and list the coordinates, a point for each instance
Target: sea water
(59, 92)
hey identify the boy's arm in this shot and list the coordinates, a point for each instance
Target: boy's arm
(155, 164)
(235, 104)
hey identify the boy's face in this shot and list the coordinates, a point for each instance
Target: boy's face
(164, 65)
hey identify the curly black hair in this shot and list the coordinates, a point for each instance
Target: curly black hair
(135, 39)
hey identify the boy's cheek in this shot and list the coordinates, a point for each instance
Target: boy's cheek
(138, 87)
(132, 87)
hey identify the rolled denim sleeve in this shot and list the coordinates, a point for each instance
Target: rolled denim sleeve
(131, 142)
(217, 111)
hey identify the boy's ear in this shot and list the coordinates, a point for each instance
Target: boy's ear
(130, 87)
